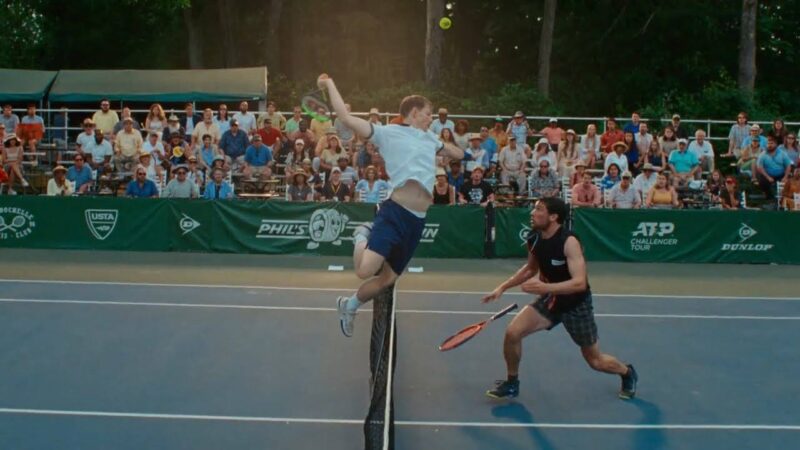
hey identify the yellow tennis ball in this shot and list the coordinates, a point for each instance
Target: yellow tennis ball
(445, 23)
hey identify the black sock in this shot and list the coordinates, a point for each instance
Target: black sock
(513, 378)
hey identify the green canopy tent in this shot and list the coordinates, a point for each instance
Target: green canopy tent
(209, 85)
(24, 85)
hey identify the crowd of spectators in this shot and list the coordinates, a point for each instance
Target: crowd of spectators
(212, 154)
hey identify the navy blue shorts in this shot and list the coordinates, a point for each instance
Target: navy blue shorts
(395, 235)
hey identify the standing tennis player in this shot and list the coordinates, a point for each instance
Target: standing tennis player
(382, 250)
(556, 271)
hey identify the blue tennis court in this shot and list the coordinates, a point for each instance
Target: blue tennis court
(96, 365)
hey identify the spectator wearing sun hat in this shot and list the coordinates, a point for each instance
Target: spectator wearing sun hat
(299, 190)
(181, 186)
(375, 117)
(443, 192)
(553, 133)
(542, 151)
(442, 122)
(154, 171)
(59, 184)
(617, 156)
(127, 145)
(474, 154)
(520, 128)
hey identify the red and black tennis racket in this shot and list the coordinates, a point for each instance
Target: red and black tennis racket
(469, 332)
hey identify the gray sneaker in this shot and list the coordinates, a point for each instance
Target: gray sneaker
(346, 318)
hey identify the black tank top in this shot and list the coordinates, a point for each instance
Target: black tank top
(441, 199)
(549, 254)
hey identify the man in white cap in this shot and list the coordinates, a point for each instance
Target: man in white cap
(553, 133)
(683, 164)
(645, 181)
(755, 134)
(442, 122)
(624, 195)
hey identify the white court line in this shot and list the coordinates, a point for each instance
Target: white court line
(410, 423)
(404, 311)
(404, 291)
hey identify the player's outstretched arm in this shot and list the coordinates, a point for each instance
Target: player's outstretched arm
(525, 273)
(453, 151)
(360, 126)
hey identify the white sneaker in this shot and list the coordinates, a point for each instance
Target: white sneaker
(25, 183)
(362, 232)
(12, 192)
(346, 318)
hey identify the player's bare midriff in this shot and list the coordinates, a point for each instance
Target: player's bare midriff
(413, 196)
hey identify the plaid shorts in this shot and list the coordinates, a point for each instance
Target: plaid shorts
(579, 321)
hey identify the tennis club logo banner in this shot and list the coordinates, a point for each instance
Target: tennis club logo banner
(101, 222)
(653, 234)
(15, 223)
(324, 226)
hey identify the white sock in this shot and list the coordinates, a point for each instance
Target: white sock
(352, 303)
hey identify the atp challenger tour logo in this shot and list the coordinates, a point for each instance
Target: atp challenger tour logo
(16, 223)
(653, 234)
(325, 226)
(745, 233)
(101, 222)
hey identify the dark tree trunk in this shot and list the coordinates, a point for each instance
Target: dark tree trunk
(193, 36)
(546, 46)
(433, 43)
(226, 11)
(747, 46)
(272, 57)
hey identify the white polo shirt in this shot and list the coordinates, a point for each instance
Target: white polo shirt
(409, 153)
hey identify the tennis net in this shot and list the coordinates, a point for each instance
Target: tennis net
(379, 423)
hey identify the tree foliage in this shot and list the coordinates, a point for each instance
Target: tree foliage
(608, 56)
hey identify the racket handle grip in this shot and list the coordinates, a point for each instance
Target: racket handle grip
(505, 311)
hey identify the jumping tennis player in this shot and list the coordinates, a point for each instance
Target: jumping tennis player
(382, 250)
(556, 271)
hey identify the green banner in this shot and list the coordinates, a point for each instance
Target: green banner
(228, 226)
(689, 236)
(73, 222)
(511, 229)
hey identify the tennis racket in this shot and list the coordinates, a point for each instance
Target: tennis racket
(469, 332)
(313, 101)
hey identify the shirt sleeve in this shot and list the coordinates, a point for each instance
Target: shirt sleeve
(378, 136)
